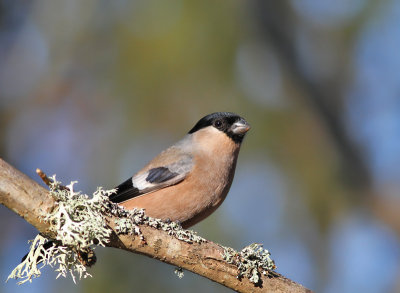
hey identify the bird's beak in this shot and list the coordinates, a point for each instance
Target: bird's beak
(240, 127)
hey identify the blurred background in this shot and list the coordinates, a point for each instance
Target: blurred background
(91, 90)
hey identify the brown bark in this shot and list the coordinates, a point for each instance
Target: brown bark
(31, 201)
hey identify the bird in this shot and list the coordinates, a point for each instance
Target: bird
(189, 180)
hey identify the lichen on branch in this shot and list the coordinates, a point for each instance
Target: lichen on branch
(80, 223)
(63, 258)
(78, 220)
(251, 261)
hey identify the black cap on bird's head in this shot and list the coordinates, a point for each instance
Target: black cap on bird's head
(230, 123)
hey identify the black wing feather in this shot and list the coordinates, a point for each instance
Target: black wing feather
(125, 191)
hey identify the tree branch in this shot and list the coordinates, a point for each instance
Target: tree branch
(32, 202)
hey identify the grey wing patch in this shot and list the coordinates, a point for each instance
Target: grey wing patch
(160, 177)
(182, 166)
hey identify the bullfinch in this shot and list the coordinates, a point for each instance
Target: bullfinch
(190, 179)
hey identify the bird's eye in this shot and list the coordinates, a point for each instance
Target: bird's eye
(218, 123)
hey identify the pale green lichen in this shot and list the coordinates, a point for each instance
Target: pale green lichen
(251, 261)
(128, 222)
(78, 220)
(79, 224)
(60, 257)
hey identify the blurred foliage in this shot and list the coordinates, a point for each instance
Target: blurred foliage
(91, 90)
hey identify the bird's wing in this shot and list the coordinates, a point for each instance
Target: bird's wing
(154, 177)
